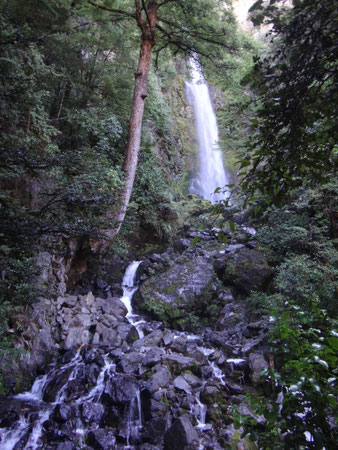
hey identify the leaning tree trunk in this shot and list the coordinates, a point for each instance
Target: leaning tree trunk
(135, 125)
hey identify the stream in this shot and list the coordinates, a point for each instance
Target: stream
(158, 388)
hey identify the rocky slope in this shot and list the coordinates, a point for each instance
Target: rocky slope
(170, 385)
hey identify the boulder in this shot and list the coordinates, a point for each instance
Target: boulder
(248, 270)
(92, 412)
(160, 379)
(101, 439)
(180, 434)
(185, 287)
(181, 384)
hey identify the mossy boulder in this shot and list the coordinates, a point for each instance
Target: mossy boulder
(248, 270)
(183, 295)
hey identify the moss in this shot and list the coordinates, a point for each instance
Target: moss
(161, 310)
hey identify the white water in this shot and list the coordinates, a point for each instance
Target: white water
(211, 172)
(134, 420)
(129, 289)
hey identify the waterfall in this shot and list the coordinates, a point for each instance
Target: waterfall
(129, 288)
(211, 172)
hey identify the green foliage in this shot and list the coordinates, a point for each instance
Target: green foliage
(299, 241)
(303, 407)
(294, 139)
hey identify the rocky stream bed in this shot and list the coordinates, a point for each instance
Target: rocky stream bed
(163, 373)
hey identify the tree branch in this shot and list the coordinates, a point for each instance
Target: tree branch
(113, 10)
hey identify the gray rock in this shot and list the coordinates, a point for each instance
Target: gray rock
(248, 270)
(111, 337)
(70, 300)
(153, 356)
(154, 257)
(80, 321)
(182, 285)
(252, 344)
(151, 340)
(234, 248)
(209, 395)
(92, 412)
(192, 380)
(180, 383)
(76, 337)
(112, 306)
(180, 435)
(130, 362)
(176, 359)
(182, 245)
(87, 299)
(102, 438)
(258, 366)
(160, 379)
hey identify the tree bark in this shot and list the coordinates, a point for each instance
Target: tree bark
(135, 122)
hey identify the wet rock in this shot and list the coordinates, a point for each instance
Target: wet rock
(92, 412)
(155, 257)
(120, 390)
(220, 339)
(62, 413)
(111, 337)
(251, 345)
(155, 429)
(66, 446)
(185, 286)
(130, 362)
(9, 412)
(248, 270)
(181, 384)
(174, 359)
(159, 380)
(102, 439)
(209, 395)
(258, 366)
(180, 435)
(192, 380)
(234, 388)
(151, 340)
(153, 356)
(182, 245)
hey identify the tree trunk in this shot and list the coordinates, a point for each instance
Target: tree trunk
(135, 123)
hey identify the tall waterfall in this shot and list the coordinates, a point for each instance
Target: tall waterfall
(211, 172)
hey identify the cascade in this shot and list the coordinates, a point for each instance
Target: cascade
(92, 396)
(211, 173)
(129, 289)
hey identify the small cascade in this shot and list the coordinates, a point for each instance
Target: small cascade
(29, 425)
(202, 413)
(134, 419)
(129, 288)
(211, 172)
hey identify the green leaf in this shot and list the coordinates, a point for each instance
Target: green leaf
(232, 226)
(195, 240)
(333, 342)
(257, 209)
(222, 238)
